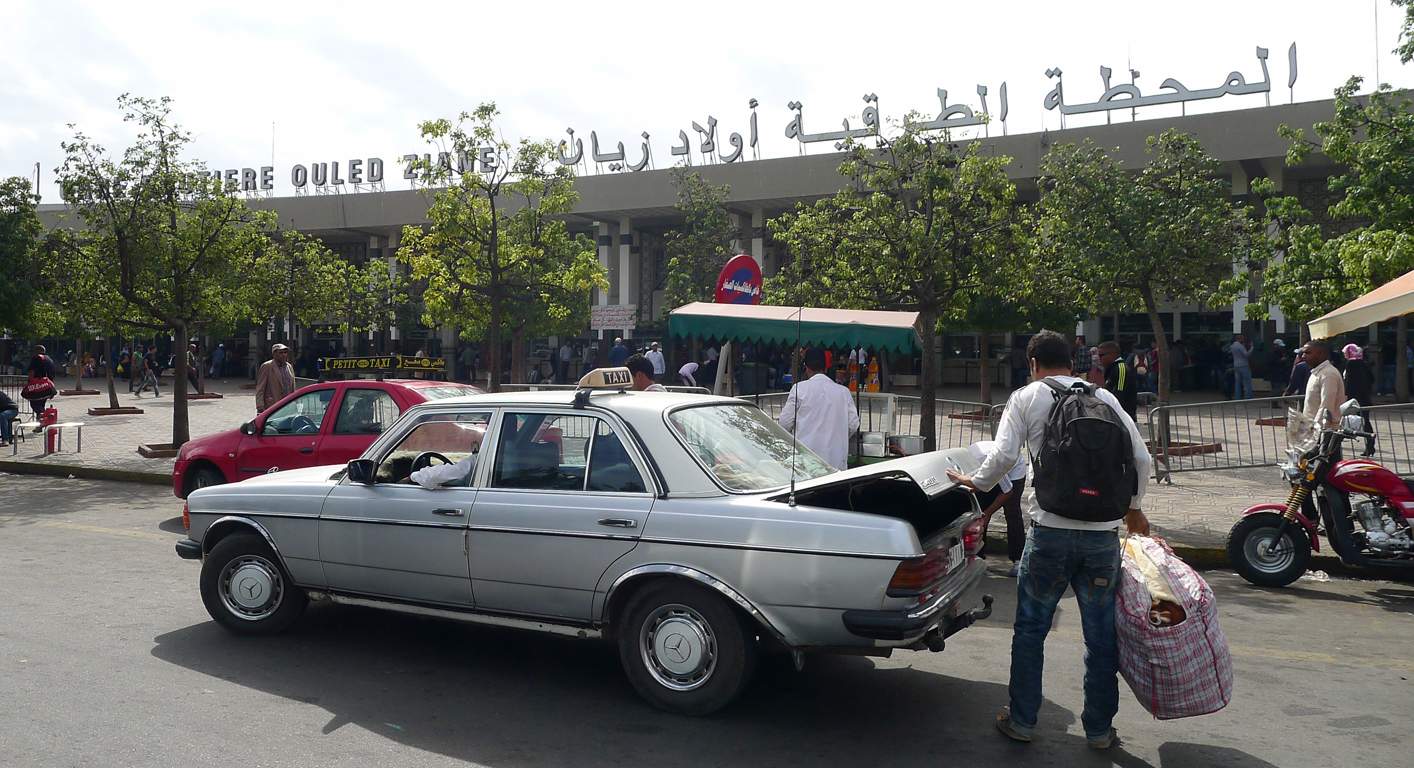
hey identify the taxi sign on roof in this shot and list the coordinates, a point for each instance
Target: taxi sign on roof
(381, 363)
(606, 378)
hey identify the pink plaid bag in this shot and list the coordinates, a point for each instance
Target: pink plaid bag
(1180, 669)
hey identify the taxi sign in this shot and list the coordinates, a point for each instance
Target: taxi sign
(380, 363)
(606, 378)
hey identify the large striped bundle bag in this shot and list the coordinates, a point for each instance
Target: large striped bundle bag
(1172, 650)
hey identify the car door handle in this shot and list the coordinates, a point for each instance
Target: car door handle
(619, 522)
(447, 512)
(307, 449)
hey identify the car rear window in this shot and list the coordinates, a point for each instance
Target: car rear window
(744, 449)
(445, 391)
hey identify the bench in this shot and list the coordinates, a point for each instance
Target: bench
(20, 432)
(59, 427)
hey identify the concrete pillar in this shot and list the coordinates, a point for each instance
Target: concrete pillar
(606, 239)
(393, 241)
(1276, 171)
(738, 224)
(628, 268)
(1177, 326)
(758, 237)
(1240, 181)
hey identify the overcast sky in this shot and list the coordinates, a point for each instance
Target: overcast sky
(323, 81)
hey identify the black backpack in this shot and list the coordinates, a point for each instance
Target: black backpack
(1085, 470)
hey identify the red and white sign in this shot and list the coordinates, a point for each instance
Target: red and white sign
(739, 281)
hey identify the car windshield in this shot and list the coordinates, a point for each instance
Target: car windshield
(744, 449)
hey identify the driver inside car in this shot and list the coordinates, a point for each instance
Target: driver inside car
(455, 474)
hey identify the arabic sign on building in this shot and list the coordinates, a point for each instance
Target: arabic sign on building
(739, 281)
(358, 173)
(613, 317)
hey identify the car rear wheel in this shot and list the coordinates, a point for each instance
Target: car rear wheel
(245, 590)
(684, 649)
(205, 477)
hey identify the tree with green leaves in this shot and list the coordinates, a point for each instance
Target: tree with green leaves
(21, 236)
(1406, 31)
(1121, 240)
(919, 227)
(294, 278)
(369, 296)
(169, 237)
(495, 251)
(1307, 272)
(700, 246)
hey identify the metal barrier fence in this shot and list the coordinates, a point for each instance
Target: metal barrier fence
(1237, 434)
(1226, 434)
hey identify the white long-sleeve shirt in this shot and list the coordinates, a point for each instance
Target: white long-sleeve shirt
(823, 416)
(1325, 389)
(655, 357)
(1023, 428)
(441, 474)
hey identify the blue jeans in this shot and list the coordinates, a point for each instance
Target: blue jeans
(1241, 383)
(5, 416)
(1088, 562)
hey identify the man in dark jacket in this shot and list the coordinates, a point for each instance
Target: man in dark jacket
(1296, 384)
(1360, 384)
(41, 366)
(1120, 378)
(8, 411)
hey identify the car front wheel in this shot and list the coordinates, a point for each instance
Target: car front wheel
(684, 649)
(245, 590)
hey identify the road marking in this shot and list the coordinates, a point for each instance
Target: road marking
(126, 532)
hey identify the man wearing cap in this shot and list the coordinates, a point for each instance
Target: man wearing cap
(275, 379)
(618, 354)
(655, 356)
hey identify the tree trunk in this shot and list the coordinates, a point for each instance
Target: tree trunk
(78, 363)
(984, 366)
(1401, 366)
(181, 426)
(518, 370)
(493, 348)
(1159, 435)
(928, 381)
(112, 356)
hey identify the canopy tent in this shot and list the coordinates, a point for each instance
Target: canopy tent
(812, 326)
(1387, 302)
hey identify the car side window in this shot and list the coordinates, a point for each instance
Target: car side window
(543, 451)
(365, 412)
(610, 467)
(453, 435)
(301, 416)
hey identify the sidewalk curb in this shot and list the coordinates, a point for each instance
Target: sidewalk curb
(85, 472)
(1215, 558)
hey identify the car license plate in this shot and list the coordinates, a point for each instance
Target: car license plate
(955, 557)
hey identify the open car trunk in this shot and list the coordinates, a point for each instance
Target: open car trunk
(913, 488)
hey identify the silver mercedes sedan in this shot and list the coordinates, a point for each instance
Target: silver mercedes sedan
(690, 530)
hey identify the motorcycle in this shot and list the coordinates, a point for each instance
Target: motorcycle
(1364, 509)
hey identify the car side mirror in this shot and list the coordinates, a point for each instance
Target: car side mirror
(1349, 406)
(248, 428)
(362, 471)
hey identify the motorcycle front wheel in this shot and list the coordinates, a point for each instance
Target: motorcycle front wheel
(1263, 557)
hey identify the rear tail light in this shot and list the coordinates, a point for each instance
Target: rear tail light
(917, 574)
(973, 534)
(186, 516)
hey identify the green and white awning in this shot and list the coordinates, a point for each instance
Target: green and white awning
(813, 326)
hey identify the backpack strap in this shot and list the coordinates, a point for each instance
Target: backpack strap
(1062, 390)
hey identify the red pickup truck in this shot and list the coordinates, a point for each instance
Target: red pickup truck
(325, 423)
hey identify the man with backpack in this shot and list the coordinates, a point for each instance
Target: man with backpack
(1087, 458)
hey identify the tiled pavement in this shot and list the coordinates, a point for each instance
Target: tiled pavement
(1195, 511)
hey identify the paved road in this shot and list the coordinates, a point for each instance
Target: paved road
(108, 659)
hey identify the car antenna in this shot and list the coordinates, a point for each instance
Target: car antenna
(799, 312)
